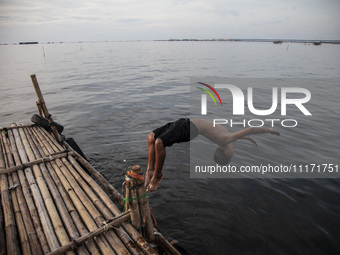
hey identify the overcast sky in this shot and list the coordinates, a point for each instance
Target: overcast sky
(115, 20)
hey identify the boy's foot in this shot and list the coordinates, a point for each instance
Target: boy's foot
(148, 176)
(154, 183)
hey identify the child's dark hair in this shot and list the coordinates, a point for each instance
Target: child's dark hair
(220, 157)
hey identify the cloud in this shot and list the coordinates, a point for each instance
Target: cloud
(130, 21)
(164, 19)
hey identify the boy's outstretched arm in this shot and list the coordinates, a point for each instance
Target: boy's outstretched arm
(242, 134)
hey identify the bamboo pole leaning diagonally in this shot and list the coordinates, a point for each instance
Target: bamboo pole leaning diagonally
(42, 104)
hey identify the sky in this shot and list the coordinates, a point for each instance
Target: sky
(120, 20)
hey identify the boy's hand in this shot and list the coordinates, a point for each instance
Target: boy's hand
(252, 140)
(273, 131)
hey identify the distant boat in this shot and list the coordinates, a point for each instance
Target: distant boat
(317, 43)
(22, 43)
(276, 42)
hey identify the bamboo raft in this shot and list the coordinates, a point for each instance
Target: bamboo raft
(55, 202)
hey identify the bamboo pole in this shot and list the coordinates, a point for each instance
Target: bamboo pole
(165, 245)
(34, 162)
(13, 127)
(49, 205)
(113, 239)
(42, 103)
(85, 191)
(113, 223)
(101, 207)
(127, 195)
(68, 203)
(90, 244)
(2, 230)
(32, 236)
(52, 147)
(28, 201)
(134, 234)
(25, 246)
(37, 196)
(131, 196)
(66, 218)
(90, 217)
(10, 225)
(142, 202)
(50, 140)
(113, 192)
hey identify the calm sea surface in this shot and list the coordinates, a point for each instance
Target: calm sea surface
(109, 96)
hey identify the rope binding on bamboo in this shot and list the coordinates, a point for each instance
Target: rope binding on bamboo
(136, 176)
(131, 199)
(136, 201)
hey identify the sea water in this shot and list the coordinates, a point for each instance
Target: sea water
(110, 95)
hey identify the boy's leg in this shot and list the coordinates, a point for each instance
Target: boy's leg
(160, 158)
(151, 158)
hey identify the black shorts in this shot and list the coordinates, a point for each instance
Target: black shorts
(182, 130)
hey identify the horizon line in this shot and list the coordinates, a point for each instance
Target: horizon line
(188, 39)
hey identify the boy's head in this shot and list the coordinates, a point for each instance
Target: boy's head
(223, 154)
